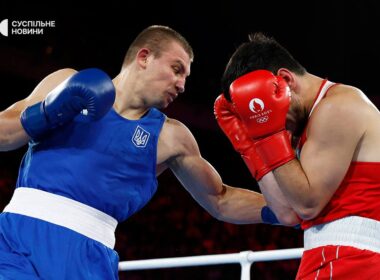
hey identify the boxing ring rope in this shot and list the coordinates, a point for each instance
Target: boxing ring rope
(245, 258)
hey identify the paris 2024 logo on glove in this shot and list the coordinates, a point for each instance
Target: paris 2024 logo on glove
(256, 105)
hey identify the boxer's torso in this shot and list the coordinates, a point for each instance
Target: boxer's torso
(359, 192)
(109, 164)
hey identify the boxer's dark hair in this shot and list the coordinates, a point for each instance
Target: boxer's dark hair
(260, 52)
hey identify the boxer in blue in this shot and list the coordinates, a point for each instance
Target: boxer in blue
(96, 147)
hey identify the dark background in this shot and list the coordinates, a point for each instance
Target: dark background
(334, 39)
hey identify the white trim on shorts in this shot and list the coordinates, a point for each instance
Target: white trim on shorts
(358, 232)
(65, 212)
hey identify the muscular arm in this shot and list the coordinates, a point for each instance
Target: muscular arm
(277, 201)
(335, 129)
(12, 134)
(224, 202)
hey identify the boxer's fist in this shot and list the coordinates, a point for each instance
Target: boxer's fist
(89, 89)
(233, 128)
(262, 101)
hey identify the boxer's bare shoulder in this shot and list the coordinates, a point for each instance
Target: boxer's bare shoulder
(174, 141)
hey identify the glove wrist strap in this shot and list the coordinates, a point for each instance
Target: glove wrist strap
(275, 150)
(255, 164)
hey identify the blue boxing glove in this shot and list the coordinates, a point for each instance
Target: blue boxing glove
(89, 89)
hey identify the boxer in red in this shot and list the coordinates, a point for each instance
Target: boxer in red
(331, 173)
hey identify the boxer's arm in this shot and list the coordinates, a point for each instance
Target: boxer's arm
(277, 201)
(202, 181)
(236, 132)
(12, 134)
(335, 129)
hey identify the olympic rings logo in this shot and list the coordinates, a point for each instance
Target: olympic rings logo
(262, 119)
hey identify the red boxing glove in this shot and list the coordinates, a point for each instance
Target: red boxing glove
(233, 128)
(262, 101)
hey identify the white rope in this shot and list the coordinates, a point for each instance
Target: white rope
(245, 258)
